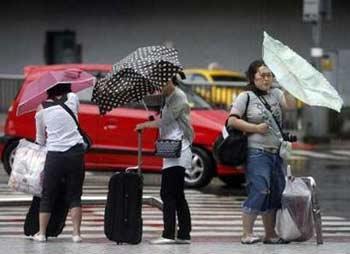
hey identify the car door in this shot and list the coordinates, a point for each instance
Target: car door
(88, 120)
(118, 139)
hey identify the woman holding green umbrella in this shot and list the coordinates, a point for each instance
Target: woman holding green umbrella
(264, 173)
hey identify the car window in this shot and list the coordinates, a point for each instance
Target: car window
(196, 78)
(86, 94)
(194, 100)
(223, 78)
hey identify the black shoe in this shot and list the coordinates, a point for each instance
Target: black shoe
(276, 240)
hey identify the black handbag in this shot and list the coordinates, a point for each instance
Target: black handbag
(168, 148)
(231, 149)
(87, 140)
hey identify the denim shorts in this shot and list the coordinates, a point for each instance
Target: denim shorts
(265, 182)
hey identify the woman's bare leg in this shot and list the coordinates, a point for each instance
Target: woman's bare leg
(76, 215)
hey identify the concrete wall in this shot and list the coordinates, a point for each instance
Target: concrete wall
(226, 31)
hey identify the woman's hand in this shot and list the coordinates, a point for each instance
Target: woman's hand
(148, 124)
(262, 128)
(141, 126)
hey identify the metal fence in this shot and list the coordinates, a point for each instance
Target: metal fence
(219, 95)
(9, 86)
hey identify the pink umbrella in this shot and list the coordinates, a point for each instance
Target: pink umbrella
(36, 92)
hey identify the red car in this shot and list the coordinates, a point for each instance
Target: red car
(114, 139)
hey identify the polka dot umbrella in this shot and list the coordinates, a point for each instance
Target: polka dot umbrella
(143, 72)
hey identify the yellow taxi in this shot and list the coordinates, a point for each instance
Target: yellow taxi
(217, 86)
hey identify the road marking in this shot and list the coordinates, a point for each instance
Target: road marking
(213, 217)
(319, 155)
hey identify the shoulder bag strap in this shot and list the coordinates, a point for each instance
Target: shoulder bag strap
(70, 112)
(160, 116)
(246, 107)
(244, 116)
(268, 107)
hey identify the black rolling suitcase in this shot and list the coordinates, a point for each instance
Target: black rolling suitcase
(123, 220)
(57, 219)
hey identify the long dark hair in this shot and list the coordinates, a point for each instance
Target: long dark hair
(58, 90)
(250, 74)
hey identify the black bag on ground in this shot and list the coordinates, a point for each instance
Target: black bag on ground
(58, 216)
(231, 149)
(123, 220)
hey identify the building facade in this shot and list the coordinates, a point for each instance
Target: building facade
(224, 31)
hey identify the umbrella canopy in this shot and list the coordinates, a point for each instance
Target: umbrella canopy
(145, 71)
(299, 77)
(36, 92)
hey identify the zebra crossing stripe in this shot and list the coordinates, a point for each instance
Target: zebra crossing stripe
(320, 155)
(341, 152)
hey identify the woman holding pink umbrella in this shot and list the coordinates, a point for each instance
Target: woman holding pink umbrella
(58, 129)
(65, 158)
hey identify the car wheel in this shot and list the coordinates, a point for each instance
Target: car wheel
(201, 172)
(9, 155)
(233, 181)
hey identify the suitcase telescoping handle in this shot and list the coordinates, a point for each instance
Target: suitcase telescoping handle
(139, 151)
(139, 154)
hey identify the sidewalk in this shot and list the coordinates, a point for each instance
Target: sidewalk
(64, 246)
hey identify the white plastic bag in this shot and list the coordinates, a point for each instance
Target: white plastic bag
(28, 168)
(285, 150)
(294, 222)
(285, 225)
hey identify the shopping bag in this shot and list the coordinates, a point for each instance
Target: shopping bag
(28, 168)
(285, 150)
(286, 227)
(294, 221)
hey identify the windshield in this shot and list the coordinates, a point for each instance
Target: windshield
(194, 100)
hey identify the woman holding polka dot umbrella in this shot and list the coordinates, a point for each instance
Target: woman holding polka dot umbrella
(144, 72)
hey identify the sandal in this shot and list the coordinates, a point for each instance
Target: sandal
(250, 239)
(276, 240)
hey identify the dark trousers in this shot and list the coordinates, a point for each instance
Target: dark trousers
(65, 166)
(174, 202)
